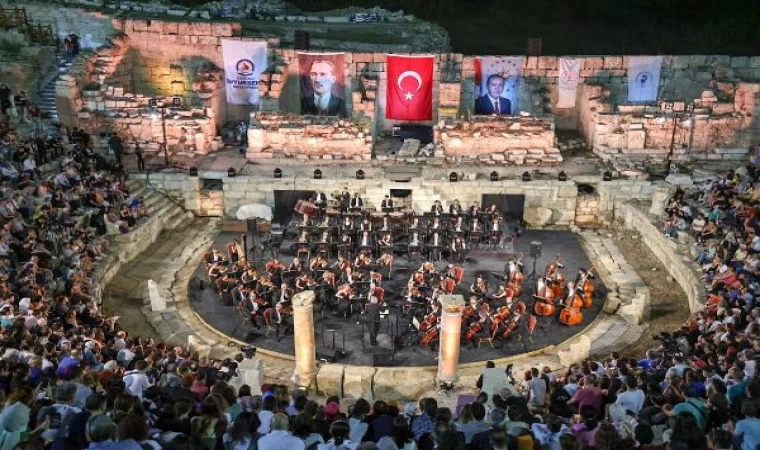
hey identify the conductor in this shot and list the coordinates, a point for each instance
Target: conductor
(372, 319)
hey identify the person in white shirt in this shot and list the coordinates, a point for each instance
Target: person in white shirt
(268, 405)
(280, 438)
(632, 399)
(135, 381)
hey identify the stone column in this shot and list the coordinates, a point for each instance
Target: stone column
(661, 192)
(451, 333)
(303, 335)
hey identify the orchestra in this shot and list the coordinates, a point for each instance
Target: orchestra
(351, 251)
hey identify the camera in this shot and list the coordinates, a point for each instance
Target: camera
(55, 419)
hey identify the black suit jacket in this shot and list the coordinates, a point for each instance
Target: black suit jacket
(483, 105)
(387, 203)
(336, 107)
(357, 202)
(372, 312)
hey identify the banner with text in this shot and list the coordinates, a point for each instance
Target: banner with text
(644, 78)
(497, 82)
(569, 76)
(244, 61)
(323, 86)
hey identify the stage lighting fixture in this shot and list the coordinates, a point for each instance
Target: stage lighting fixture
(453, 177)
(278, 173)
(607, 176)
(526, 176)
(193, 171)
(562, 176)
(360, 174)
(494, 176)
(317, 174)
(231, 172)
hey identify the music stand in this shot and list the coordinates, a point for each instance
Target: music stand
(532, 275)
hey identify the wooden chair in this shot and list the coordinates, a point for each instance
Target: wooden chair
(269, 322)
(243, 313)
(489, 339)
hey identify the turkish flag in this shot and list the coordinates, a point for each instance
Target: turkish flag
(410, 88)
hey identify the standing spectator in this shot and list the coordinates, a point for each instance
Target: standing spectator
(139, 156)
(5, 98)
(117, 146)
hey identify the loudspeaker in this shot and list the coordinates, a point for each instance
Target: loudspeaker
(535, 249)
(382, 357)
(301, 40)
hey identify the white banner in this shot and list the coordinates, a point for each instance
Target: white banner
(244, 61)
(569, 76)
(643, 78)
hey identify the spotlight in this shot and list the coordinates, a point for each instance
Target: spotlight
(360, 174)
(317, 174)
(193, 171)
(277, 173)
(607, 176)
(494, 176)
(453, 177)
(562, 176)
(526, 176)
(231, 172)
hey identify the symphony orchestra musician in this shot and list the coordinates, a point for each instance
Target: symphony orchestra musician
(364, 245)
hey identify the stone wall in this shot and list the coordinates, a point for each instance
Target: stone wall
(506, 140)
(301, 138)
(682, 268)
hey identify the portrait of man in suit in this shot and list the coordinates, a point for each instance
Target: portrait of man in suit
(319, 98)
(493, 102)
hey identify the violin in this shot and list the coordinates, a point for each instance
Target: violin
(274, 266)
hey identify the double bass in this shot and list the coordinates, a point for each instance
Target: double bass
(516, 276)
(588, 289)
(544, 299)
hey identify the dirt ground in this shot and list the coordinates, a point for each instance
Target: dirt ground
(669, 307)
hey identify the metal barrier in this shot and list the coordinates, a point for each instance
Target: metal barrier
(17, 18)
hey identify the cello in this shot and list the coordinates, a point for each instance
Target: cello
(429, 322)
(475, 328)
(571, 314)
(429, 336)
(544, 300)
(516, 276)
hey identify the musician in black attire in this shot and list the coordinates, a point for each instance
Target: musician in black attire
(387, 203)
(455, 208)
(345, 200)
(437, 208)
(372, 319)
(356, 201)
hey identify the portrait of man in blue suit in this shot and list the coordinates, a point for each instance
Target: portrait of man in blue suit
(493, 102)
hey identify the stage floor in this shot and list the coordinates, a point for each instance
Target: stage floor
(357, 349)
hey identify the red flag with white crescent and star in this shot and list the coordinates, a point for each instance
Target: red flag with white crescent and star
(410, 88)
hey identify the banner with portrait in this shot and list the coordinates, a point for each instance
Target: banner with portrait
(644, 78)
(323, 85)
(569, 76)
(497, 83)
(244, 61)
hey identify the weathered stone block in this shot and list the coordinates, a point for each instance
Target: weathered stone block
(357, 382)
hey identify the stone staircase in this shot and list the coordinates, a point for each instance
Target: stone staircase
(47, 92)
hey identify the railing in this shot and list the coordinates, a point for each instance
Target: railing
(17, 18)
